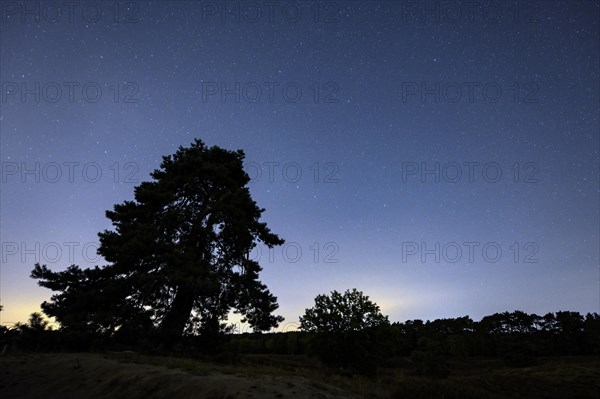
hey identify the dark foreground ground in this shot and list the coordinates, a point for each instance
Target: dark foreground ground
(129, 375)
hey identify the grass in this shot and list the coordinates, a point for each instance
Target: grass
(188, 365)
(576, 377)
(274, 376)
(559, 377)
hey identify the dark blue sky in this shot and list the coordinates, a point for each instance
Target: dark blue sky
(382, 138)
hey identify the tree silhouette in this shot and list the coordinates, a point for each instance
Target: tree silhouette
(348, 331)
(350, 311)
(179, 254)
(37, 322)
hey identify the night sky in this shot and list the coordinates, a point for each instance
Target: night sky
(440, 157)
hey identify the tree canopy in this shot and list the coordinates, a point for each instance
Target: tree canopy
(178, 257)
(350, 311)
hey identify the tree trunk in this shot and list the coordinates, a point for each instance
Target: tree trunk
(181, 308)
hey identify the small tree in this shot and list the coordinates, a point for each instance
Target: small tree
(350, 311)
(3, 329)
(37, 322)
(347, 331)
(34, 335)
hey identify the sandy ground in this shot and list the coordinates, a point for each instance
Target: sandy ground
(86, 375)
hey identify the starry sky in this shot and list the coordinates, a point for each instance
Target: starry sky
(440, 157)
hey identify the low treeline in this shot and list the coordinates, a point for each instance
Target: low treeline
(516, 337)
(555, 334)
